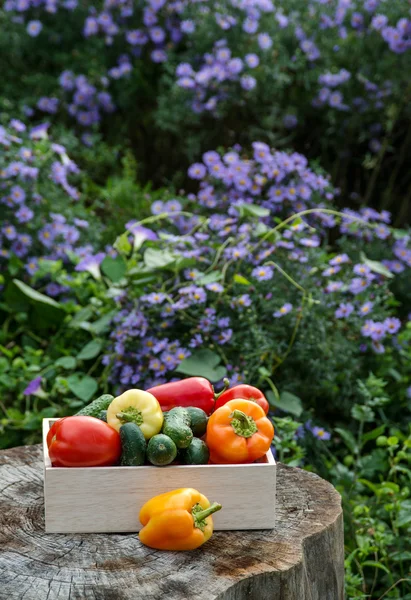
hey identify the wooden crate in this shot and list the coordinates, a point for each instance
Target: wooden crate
(108, 499)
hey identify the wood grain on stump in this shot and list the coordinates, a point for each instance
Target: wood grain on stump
(301, 559)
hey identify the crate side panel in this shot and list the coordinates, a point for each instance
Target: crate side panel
(109, 499)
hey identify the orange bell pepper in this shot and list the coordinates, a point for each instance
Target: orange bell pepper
(178, 520)
(238, 432)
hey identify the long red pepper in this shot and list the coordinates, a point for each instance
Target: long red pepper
(194, 391)
(246, 392)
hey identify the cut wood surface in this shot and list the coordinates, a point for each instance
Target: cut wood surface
(301, 559)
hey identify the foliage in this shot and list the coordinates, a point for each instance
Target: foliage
(328, 78)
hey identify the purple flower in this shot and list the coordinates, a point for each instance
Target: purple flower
(91, 264)
(247, 82)
(225, 336)
(39, 131)
(197, 171)
(31, 265)
(379, 22)
(262, 273)
(382, 232)
(17, 194)
(392, 324)
(284, 310)
(250, 25)
(243, 300)
(252, 60)
(320, 433)
(215, 287)
(362, 270)
(340, 259)
(344, 310)
(194, 293)
(33, 387)
(158, 56)
(334, 286)
(154, 298)
(188, 26)
(24, 214)
(196, 341)
(331, 271)
(377, 347)
(358, 285)
(365, 309)
(378, 331)
(33, 28)
(290, 121)
(264, 41)
(9, 231)
(140, 233)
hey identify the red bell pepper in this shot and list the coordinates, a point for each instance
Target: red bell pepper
(81, 441)
(246, 392)
(194, 391)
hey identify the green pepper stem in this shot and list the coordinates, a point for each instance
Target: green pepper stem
(203, 514)
(243, 424)
(226, 386)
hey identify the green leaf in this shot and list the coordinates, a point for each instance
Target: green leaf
(348, 438)
(81, 317)
(372, 435)
(287, 402)
(114, 268)
(157, 259)
(375, 266)
(66, 362)
(90, 350)
(82, 386)
(400, 556)
(252, 210)
(102, 324)
(203, 363)
(362, 413)
(212, 277)
(376, 565)
(122, 244)
(240, 279)
(36, 296)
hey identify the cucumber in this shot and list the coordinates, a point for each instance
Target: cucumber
(102, 416)
(196, 454)
(94, 409)
(133, 444)
(198, 421)
(161, 450)
(177, 426)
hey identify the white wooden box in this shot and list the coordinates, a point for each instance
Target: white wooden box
(109, 499)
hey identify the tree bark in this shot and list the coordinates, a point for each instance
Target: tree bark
(301, 559)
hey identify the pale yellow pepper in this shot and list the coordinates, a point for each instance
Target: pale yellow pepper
(139, 407)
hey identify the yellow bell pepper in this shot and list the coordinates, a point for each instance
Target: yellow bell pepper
(139, 407)
(177, 520)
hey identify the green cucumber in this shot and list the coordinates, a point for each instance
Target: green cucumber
(177, 426)
(161, 450)
(133, 444)
(196, 454)
(198, 419)
(94, 409)
(102, 415)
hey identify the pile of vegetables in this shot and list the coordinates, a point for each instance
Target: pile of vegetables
(183, 422)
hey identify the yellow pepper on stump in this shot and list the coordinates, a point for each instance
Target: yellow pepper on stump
(177, 520)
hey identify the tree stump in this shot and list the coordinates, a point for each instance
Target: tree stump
(301, 559)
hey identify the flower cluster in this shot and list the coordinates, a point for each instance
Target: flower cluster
(220, 67)
(87, 103)
(31, 227)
